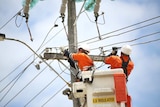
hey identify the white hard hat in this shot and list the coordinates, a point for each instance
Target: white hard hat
(126, 49)
(85, 47)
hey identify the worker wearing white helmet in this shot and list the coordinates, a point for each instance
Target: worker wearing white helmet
(81, 57)
(126, 49)
(124, 61)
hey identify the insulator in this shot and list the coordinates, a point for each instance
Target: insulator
(97, 5)
(26, 6)
(63, 6)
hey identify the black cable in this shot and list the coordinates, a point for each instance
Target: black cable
(55, 25)
(10, 19)
(28, 58)
(122, 28)
(155, 40)
(15, 69)
(85, 41)
(151, 34)
(43, 89)
(54, 95)
(17, 78)
(125, 32)
(26, 86)
(94, 21)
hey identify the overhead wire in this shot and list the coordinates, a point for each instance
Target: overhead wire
(29, 57)
(55, 25)
(54, 95)
(94, 21)
(142, 43)
(64, 26)
(10, 19)
(18, 13)
(124, 32)
(87, 41)
(14, 69)
(75, 22)
(144, 36)
(118, 30)
(24, 61)
(131, 26)
(16, 79)
(43, 89)
(26, 85)
(121, 29)
(53, 36)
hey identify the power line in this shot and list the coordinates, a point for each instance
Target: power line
(121, 29)
(155, 40)
(125, 32)
(26, 60)
(43, 89)
(151, 34)
(14, 69)
(26, 86)
(11, 19)
(44, 40)
(54, 95)
(55, 25)
(17, 78)
(87, 41)
(37, 49)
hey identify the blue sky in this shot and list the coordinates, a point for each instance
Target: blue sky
(144, 80)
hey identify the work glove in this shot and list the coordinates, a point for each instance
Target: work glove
(114, 51)
(66, 53)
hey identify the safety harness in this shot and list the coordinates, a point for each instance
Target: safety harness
(124, 67)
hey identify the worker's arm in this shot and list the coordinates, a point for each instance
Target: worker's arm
(70, 60)
(114, 52)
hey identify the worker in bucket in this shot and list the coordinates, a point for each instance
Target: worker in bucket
(82, 58)
(84, 62)
(123, 61)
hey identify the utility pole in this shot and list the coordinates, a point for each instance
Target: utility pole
(72, 42)
(72, 38)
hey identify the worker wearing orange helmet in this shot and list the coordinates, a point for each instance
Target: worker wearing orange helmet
(124, 61)
(84, 62)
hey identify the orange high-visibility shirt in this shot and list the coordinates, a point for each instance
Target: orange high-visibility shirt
(83, 60)
(116, 62)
